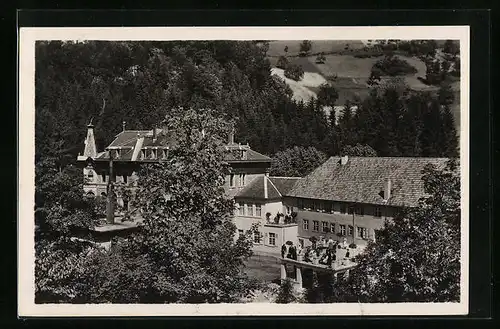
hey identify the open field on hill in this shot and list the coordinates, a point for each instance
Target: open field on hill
(352, 74)
(276, 47)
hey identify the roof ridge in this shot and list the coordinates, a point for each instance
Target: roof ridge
(287, 177)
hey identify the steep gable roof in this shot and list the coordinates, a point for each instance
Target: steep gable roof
(362, 179)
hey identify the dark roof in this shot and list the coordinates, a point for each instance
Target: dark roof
(276, 187)
(251, 155)
(362, 179)
(284, 184)
(128, 139)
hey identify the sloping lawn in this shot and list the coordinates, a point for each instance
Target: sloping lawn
(277, 47)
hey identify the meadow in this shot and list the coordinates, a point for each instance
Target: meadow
(351, 73)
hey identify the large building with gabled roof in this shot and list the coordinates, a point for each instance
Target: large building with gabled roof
(351, 197)
(131, 148)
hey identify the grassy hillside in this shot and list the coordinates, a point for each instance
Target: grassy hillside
(276, 47)
(351, 72)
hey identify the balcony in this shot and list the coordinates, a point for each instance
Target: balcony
(281, 220)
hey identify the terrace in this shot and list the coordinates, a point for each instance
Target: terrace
(336, 258)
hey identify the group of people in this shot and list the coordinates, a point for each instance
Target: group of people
(320, 251)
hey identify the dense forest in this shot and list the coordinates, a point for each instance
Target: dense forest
(140, 82)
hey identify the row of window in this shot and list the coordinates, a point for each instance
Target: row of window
(237, 180)
(343, 230)
(329, 206)
(252, 210)
(257, 237)
(154, 153)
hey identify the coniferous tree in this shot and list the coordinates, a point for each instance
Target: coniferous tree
(432, 134)
(450, 139)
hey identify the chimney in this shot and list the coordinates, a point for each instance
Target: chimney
(231, 137)
(266, 176)
(387, 189)
(123, 125)
(90, 150)
(344, 159)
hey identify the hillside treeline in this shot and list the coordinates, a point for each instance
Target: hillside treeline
(140, 82)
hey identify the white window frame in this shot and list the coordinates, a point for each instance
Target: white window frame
(241, 209)
(259, 207)
(342, 229)
(350, 230)
(377, 212)
(315, 227)
(332, 227)
(272, 236)
(231, 180)
(305, 224)
(325, 228)
(256, 235)
(363, 231)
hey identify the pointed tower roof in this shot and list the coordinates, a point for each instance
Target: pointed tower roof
(90, 147)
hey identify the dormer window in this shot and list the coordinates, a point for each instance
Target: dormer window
(117, 153)
(143, 154)
(153, 154)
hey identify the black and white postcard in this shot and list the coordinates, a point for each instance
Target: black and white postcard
(182, 171)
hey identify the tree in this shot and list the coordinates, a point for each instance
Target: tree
(392, 65)
(286, 294)
(417, 255)
(305, 47)
(297, 161)
(358, 150)
(61, 210)
(450, 137)
(187, 234)
(375, 77)
(282, 62)
(445, 94)
(451, 47)
(320, 59)
(286, 49)
(327, 95)
(294, 72)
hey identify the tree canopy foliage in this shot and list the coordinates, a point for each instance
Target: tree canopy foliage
(305, 47)
(396, 121)
(297, 161)
(393, 65)
(294, 72)
(185, 249)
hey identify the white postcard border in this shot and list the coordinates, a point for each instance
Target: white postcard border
(26, 175)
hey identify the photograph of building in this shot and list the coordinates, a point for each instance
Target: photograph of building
(266, 171)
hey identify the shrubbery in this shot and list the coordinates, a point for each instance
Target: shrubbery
(393, 66)
(294, 72)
